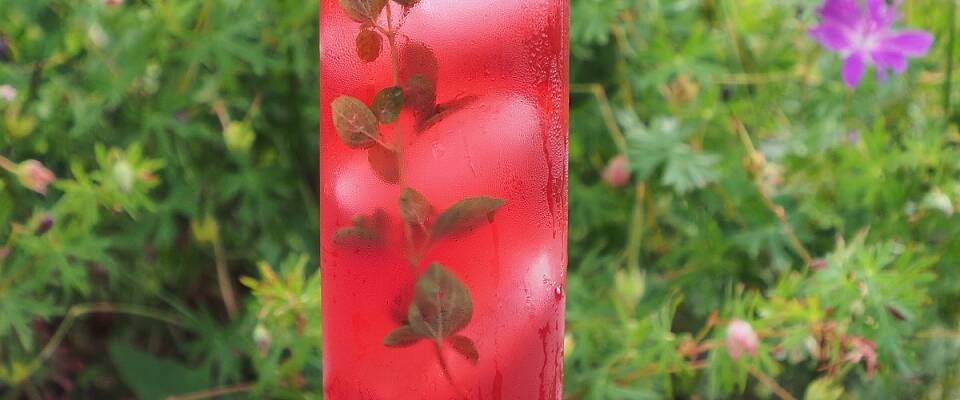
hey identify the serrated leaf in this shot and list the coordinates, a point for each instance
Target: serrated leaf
(369, 44)
(649, 148)
(415, 209)
(441, 304)
(403, 336)
(387, 104)
(356, 124)
(385, 163)
(686, 170)
(465, 216)
(465, 347)
(363, 10)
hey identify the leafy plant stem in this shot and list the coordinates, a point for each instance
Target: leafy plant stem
(755, 164)
(80, 310)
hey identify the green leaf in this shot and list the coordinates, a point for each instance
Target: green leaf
(369, 44)
(687, 170)
(363, 10)
(441, 304)
(650, 148)
(465, 347)
(403, 336)
(385, 163)
(357, 126)
(414, 207)
(465, 216)
(387, 104)
(151, 377)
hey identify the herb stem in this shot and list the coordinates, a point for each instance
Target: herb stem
(215, 393)
(392, 40)
(437, 347)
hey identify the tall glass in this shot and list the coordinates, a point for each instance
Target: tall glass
(443, 169)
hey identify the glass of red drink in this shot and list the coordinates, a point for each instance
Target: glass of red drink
(443, 170)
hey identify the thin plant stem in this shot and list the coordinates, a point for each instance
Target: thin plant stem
(951, 47)
(8, 165)
(224, 281)
(215, 393)
(755, 164)
(636, 227)
(771, 383)
(445, 367)
(392, 39)
(755, 158)
(79, 310)
(606, 111)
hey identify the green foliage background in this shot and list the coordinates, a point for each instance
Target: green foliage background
(183, 134)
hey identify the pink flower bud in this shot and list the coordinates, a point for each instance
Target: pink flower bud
(34, 176)
(112, 3)
(741, 338)
(617, 172)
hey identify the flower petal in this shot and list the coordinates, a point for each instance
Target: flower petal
(844, 12)
(882, 14)
(832, 36)
(910, 43)
(853, 69)
(889, 59)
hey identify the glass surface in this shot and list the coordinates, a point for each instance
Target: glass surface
(444, 220)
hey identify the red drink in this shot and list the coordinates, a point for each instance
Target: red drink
(443, 166)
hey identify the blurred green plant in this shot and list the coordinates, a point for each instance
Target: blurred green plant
(182, 137)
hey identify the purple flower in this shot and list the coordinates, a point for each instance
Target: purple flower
(865, 36)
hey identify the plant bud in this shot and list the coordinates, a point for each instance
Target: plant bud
(741, 338)
(617, 172)
(34, 176)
